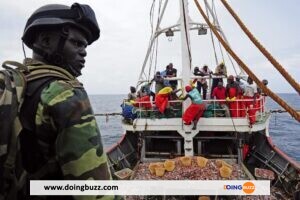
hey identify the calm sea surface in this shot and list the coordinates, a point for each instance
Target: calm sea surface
(285, 131)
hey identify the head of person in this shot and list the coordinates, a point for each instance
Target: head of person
(249, 80)
(132, 89)
(230, 79)
(220, 84)
(196, 69)
(222, 65)
(157, 74)
(188, 88)
(170, 65)
(238, 78)
(59, 34)
(205, 67)
(265, 82)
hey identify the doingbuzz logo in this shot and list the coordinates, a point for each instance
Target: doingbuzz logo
(247, 187)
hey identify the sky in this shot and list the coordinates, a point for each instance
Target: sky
(114, 61)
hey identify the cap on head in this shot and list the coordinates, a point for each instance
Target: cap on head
(55, 16)
(188, 88)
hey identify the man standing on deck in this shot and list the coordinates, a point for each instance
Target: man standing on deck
(205, 71)
(172, 72)
(219, 71)
(232, 93)
(60, 139)
(250, 95)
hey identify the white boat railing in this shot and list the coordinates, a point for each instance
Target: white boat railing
(215, 108)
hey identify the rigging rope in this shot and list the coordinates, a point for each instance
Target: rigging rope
(262, 49)
(152, 50)
(216, 21)
(212, 39)
(151, 41)
(186, 34)
(266, 90)
(215, 13)
(156, 50)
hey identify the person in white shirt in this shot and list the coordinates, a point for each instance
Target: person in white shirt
(202, 83)
(250, 89)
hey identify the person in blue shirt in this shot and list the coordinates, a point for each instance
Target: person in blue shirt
(195, 110)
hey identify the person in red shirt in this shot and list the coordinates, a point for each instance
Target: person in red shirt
(219, 93)
(232, 92)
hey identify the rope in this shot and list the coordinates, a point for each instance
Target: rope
(107, 114)
(263, 50)
(152, 50)
(215, 13)
(186, 33)
(216, 21)
(156, 50)
(212, 40)
(281, 111)
(151, 44)
(266, 90)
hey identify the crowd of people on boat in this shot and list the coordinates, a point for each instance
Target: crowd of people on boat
(237, 99)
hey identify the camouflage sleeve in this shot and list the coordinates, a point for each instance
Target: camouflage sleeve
(66, 109)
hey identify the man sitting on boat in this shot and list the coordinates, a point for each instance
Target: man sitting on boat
(195, 110)
(159, 82)
(132, 94)
(143, 97)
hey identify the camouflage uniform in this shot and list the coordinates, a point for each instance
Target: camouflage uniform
(66, 131)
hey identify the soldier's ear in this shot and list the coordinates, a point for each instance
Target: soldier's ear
(44, 39)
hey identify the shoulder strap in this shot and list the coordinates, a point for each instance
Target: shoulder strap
(41, 71)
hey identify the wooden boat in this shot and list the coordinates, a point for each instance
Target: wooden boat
(152, 137)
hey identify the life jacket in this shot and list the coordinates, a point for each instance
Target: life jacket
(14, 80)
(195, 96)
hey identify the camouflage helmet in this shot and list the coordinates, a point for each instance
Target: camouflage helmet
(56, 15)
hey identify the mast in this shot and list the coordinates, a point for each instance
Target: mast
(185, 45)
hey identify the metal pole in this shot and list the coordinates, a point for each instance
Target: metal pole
(185, 46)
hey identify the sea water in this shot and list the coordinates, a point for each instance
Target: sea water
(284, 130)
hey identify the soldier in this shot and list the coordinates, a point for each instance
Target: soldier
(60, 139)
